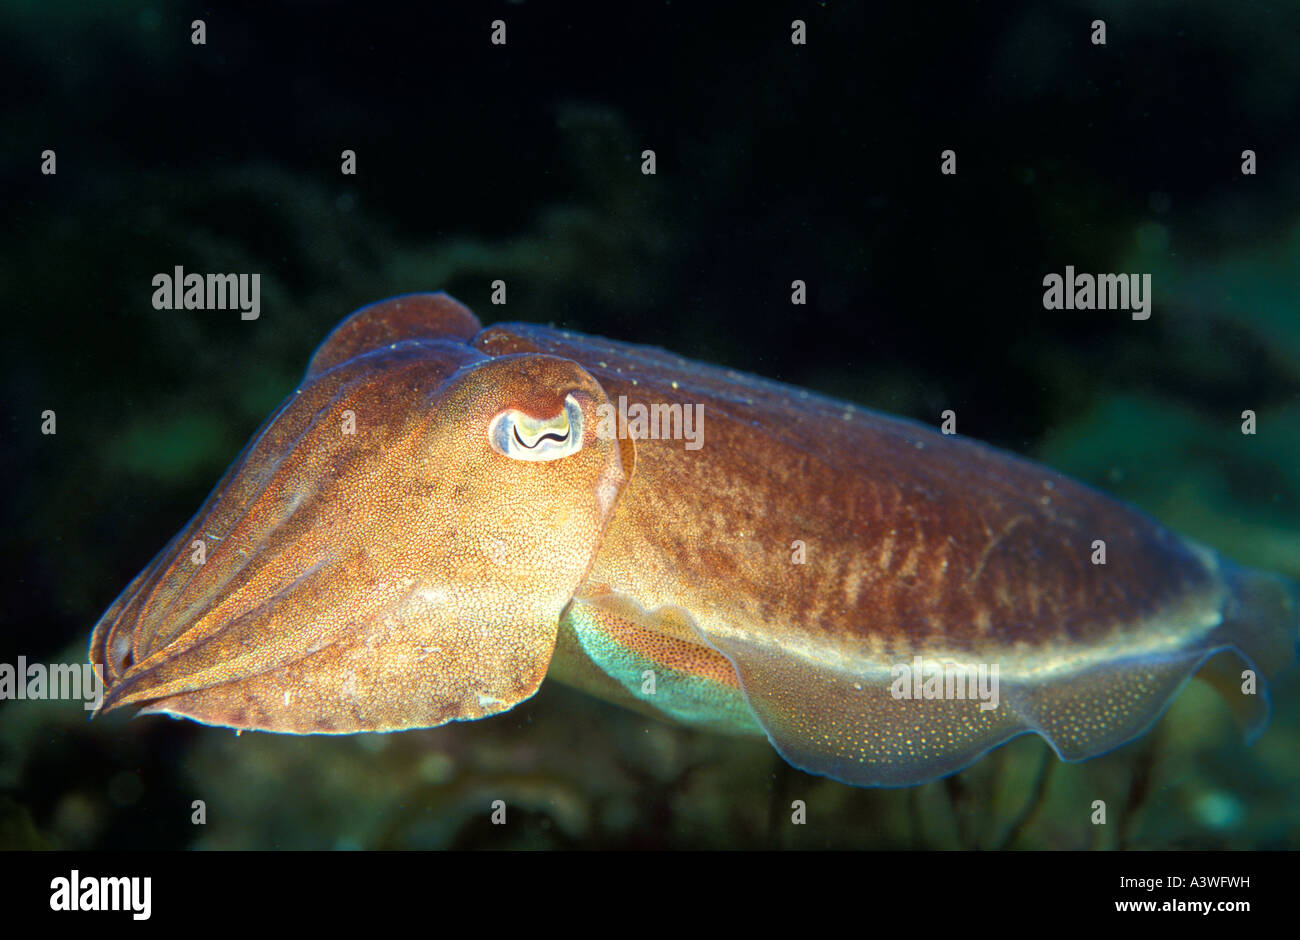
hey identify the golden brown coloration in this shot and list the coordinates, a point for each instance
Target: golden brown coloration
(426, 568)
(339, 566)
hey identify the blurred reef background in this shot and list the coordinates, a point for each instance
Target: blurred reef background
(775, 162)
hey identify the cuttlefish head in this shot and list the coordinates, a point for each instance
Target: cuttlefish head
(393, 549)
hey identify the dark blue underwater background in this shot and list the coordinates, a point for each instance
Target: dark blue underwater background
(775, 162)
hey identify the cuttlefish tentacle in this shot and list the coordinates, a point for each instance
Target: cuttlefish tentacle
(478, 528)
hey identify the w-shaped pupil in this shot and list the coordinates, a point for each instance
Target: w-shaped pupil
(547, 436)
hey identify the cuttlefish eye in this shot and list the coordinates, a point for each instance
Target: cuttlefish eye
(523, 437)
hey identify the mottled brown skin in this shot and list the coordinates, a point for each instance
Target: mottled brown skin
(410, 574)
(339, 567)
(912, 536)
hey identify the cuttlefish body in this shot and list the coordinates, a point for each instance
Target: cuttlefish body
(441, 514)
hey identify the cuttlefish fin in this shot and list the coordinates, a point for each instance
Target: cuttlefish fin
(1260, 633)
(1248, 701)
(846, 724)
(853, 721)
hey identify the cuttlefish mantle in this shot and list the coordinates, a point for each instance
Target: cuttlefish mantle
(431, 524)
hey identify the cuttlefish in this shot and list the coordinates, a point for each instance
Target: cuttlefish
(443, 514)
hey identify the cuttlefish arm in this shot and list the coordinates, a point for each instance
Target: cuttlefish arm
(371, 562)
(479, 529)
